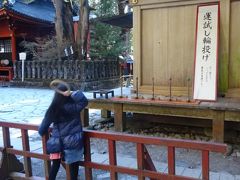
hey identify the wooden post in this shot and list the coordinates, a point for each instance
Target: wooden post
(112, 159)
(87, 157)
(47, 163)
(148, 163)
(14, 49)
(205, 164)
(224, 48)
(171, 160)
(6, 137)
(85, 117)
(105, 113)
(140, 159)
(118, 117)
(26, 147)
(218, 126)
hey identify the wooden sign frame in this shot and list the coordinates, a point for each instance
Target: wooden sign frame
(206, 52)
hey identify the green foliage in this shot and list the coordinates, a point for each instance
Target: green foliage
(106, 8)
(41, 49)
(106, 40)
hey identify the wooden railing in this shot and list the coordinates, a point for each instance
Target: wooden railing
(145, 166)
(6, 73)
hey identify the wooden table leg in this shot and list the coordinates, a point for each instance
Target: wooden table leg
(105, 113)
(218, 126)
(119, 122)
(85, 117)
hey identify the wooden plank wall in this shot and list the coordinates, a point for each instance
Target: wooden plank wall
(164, 45)
(168, 47)
(234, 63)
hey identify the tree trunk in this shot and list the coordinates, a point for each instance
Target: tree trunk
(83, 29)
(64, 26)
(125, 32)
(121, 6)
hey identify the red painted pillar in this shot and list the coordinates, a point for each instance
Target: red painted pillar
(14, 49)
(75, 27)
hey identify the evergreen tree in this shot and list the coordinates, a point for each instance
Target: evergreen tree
(64, 25)
(83, 29)
(106, 40)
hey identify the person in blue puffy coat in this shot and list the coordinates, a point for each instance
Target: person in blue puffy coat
(64, 114)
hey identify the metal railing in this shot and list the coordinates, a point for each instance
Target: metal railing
(145, 167)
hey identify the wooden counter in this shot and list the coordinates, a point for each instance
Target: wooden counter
(223, 110)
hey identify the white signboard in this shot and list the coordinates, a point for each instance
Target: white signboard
(1, 50)
(22, 56)
(206, 54)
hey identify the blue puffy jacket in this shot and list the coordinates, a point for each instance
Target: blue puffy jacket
(69, 128)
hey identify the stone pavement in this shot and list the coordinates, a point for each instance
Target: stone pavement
(26, 105)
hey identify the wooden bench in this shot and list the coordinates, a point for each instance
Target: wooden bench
(103, 92)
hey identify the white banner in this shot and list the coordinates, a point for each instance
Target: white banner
(205, 79)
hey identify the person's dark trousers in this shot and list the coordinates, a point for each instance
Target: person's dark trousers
(55, 167)
(74, 170)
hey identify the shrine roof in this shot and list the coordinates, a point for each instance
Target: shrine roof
(124, 21)
(42, 10)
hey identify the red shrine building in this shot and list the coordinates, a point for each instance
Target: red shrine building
(22, 20)
(28, 20)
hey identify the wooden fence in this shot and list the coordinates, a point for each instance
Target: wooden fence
(145, 167)
(84, 74)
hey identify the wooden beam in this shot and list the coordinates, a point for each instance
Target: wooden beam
(205, 164)
(137, 45)
(112, 159)
(6, 137)
(14, 49)
(171, 160)
(87, 157)
(167, 2)
(105, 114)
(218, 126)
(118, 117)
(47, 163)
(148, 163)
(26, 147)
(224, 46)
(85, 117)
(140, 159)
